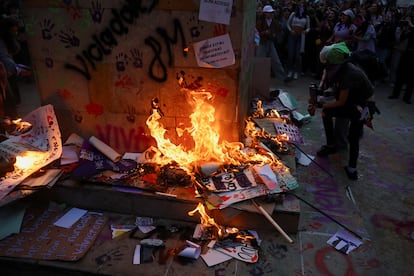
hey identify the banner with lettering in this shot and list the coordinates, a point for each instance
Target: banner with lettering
(40, 239)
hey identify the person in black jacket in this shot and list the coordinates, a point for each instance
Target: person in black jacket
(353, 90)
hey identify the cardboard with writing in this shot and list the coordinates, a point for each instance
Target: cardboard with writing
(40, 239)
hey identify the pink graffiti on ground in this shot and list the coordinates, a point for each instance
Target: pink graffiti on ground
(64, 93)
(368, 264)
(314, 225)
(402, 228)
(329, 197)
(307, 246)
(393, 187)
(94, 109)
(321, 256)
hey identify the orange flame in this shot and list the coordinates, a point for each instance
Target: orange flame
(30, 159)
(206, 139)
(206, 220)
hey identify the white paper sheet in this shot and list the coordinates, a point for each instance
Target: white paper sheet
(137, 255)
(214, 257)
(215, 11)
(344, 241)
(216, 52)
(70, 218)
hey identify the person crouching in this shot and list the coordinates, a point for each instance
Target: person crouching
(353, 89)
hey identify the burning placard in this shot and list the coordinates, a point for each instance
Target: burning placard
(291, 131)
(231, 181)
(33, 150)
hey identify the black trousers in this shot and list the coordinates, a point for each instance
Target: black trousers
(404, 76)
(355, 129)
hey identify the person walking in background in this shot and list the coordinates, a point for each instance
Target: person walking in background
(268, 29)
(298, 25)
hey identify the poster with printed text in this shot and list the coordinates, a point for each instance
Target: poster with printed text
(217, 11)
(216, 52)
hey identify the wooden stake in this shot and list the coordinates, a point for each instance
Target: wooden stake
(272, 221)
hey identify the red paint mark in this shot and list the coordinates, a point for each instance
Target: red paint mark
(308, 246)
(223, 92)
(320, 262)
(49, 120)
(73, 11)
(94, 109)
(373, 263)
(402, 228)
(225, 198)
(64, 94)
(315, 225)
(254, 258)
(124, 82)
(220, 29)
(150, 178)
(68, 168)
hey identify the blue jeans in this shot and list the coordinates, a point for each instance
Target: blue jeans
(268, 50)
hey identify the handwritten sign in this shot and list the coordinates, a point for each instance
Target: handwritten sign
(242, 252)
(215, 52)
(40, 239)
(44, 137)
(217, 11)
(291, 131)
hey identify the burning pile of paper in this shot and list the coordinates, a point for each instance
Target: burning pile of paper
(34, 143)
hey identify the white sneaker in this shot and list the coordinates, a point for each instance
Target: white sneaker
(289, 75)
(295, 76)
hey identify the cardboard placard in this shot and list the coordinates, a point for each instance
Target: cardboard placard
(40, 239)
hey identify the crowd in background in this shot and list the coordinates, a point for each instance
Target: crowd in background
(384, 30)
(14, 57)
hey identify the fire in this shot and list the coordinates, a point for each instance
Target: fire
(21, 125)
(206, 220)
(29, 159)
(207, 146)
